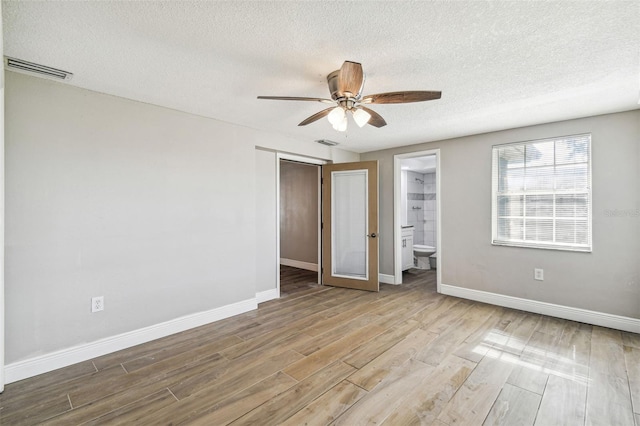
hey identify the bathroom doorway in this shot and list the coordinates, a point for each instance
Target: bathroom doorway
(417, 213)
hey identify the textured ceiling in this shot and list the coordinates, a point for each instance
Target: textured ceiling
(498, 64)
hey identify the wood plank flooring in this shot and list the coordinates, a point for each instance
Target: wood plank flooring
(322, 355)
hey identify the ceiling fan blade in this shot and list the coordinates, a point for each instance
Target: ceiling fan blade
(350, 78)
(401, 97)
(296, 98)
(376, 119)
(316, 116)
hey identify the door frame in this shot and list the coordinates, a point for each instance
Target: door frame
(397, 211)
(305, 160)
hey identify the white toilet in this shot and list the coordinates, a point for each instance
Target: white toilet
(421, 255)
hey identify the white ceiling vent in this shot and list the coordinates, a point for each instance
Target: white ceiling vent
(13, 64)
(327, 142)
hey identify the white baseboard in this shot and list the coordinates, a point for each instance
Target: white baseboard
(299, 264)
(266, 295)
(560, 311)
(65, 357)
(387, 279)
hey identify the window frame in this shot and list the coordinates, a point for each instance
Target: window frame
(548, 245)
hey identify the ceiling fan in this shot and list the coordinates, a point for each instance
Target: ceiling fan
(345, 86)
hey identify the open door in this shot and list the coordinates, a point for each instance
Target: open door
(350, 225)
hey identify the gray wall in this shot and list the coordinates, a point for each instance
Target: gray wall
(153, 209)
(606, 280)
(266, 217)
(299, 212)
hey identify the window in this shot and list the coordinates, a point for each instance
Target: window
(541, 194)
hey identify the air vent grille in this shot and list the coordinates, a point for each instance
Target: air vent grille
(37, 69)
(327, 142)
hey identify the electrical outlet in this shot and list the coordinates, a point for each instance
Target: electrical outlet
(538, 274)
(97, 304)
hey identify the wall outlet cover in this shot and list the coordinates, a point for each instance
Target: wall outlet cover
(538, 274)
(97, 304)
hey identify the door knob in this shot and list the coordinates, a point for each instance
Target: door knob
(372, 235)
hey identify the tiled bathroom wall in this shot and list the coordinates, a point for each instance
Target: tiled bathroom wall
(415, 205)
(429, 207)
(421, 206)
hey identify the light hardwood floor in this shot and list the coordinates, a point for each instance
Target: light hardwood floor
(322, 355)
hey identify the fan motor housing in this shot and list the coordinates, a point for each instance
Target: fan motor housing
(332, 81)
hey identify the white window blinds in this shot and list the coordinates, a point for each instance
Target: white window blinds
(541, 193)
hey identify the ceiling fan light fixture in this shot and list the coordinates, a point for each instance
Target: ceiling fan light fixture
(342, 125)
(361, 117)
(345, 86)
(336, 116)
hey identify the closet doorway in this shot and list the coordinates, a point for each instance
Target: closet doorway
(299, 220)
